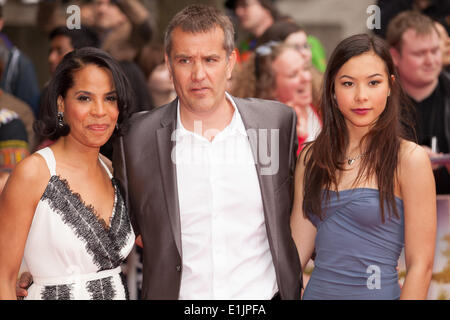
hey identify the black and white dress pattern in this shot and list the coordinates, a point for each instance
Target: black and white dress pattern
(70, 252)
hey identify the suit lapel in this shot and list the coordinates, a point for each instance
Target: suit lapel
(253, 122)
(168, 170)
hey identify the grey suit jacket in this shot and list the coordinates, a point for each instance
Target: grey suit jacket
(142, 163)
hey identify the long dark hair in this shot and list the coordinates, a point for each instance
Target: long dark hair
(326, 155)
(62, 81)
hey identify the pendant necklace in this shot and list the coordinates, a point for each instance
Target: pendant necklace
(350, 161)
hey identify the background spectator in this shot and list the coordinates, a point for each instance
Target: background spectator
(254, 16)
(10, 102)
(291, 33)
(160, 85)
(415, 49)
(64, 40)
(445, 45)
(438, 10)
(280, 72)
(19, 76)
(123, 26)
(13, 134)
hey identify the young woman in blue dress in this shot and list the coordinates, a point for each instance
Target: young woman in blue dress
(363, 191)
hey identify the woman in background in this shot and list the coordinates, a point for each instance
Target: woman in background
(279, 72)
(288, 32)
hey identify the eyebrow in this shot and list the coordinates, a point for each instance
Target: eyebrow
(425, 49)
(371, 76)
(185, 56)
(215, 56)
(181, 56)
(87, 92)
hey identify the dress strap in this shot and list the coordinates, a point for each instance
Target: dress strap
(49, 158)
(106, 167)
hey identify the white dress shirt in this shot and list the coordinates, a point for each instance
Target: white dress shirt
(225, 249)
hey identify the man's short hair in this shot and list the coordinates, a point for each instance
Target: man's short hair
(79, 38)
(199, 18)
(422, 24)
(267, 4)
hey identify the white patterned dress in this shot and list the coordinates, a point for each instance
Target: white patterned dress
(70, 252)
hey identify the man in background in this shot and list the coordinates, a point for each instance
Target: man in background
(255, 17)
(416, 51)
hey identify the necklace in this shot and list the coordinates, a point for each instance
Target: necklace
(350, 161)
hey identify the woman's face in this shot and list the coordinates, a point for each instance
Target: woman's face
(90, 106)
(293, 78)
(361, 90)
(299, 41)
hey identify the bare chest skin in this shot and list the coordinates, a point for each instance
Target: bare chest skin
(348, 179)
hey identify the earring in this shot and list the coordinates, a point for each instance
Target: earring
(60, 119)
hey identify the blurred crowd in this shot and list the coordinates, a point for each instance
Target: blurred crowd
(278, 60)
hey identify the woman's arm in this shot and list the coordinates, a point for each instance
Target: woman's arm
(17, 205)
(303, 231)
(417, 189)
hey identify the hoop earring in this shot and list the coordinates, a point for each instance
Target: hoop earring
(60, 119)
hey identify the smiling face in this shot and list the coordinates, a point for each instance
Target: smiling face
(90, 106)
(200, 69)
(361, 88)
(292, 78)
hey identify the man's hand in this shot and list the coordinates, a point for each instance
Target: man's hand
(22, 285)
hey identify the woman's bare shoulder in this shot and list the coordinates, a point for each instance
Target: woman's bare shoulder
(411, 153)
(413, 160)
(33, 169)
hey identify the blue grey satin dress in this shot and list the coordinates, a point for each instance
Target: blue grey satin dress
(356, 254)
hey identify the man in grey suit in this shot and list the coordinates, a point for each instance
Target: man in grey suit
(208, 178)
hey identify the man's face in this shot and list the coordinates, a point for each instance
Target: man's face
(107, 15)
(250, 13)
(199, 68)
(59, 47)
(419, 61)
